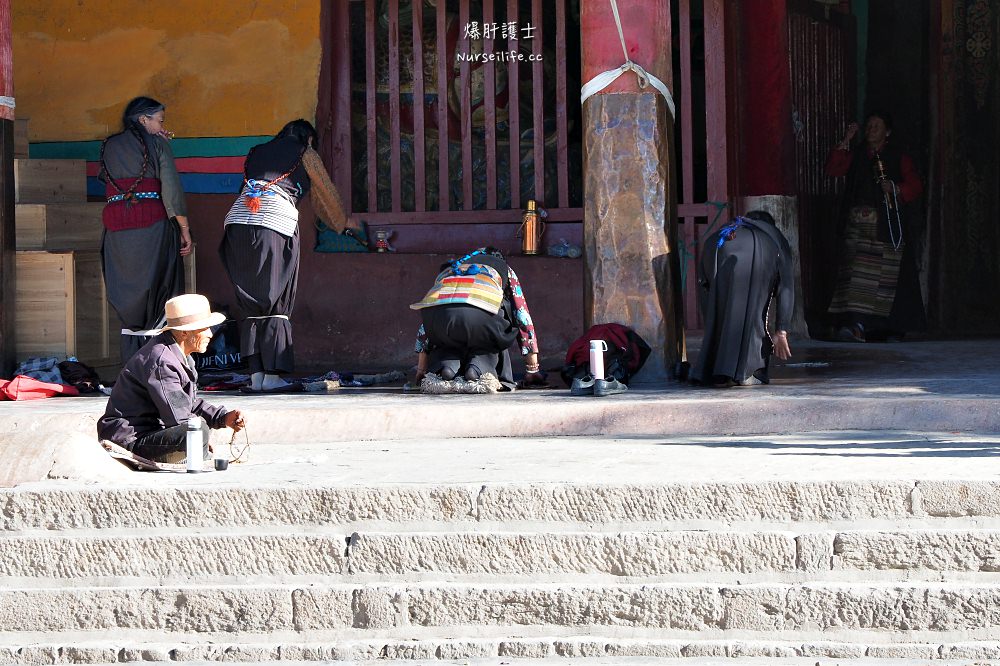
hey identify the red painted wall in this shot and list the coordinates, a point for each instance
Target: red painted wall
(766, 134)
(352, 309)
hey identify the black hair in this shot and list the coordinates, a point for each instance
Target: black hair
(140, 106)
(885, 116)
(488, 250)
(761, 216)
(300, 130)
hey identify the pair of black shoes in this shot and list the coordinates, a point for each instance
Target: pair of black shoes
(587, 385)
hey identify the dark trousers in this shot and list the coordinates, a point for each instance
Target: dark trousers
(463, 337)
(168, 445)
(264, 268)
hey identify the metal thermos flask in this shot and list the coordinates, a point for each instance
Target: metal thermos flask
(531, 228)
(194, 445)
(597, 349)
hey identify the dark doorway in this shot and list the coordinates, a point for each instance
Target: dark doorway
(822, 46)
(846, 61)
(898, 75)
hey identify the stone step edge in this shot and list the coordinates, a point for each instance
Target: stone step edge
(759, 502)
(549, 586)
(712, 579)
(532, 528)
(925, 612)
(71, 560)
(348, 534)
(652, 414)
(579, 647)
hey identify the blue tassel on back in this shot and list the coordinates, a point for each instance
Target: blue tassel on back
(728, 232)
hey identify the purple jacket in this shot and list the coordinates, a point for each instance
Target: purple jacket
(155, 390)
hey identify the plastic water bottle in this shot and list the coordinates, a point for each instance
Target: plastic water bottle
(597, 349)
(194, 445)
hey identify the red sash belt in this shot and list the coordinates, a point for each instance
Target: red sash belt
(118, 215)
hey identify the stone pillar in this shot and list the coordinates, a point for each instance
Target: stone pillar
(785, 211)
(633, 272)
(7, 241)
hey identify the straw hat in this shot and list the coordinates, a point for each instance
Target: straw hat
(191, 312)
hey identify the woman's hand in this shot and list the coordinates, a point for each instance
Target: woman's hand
(186, 243)
(852, 130)
(234, 420)
(781, 348)
(532, 372)
(534, 378)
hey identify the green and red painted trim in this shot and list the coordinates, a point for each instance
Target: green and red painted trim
(207, 165)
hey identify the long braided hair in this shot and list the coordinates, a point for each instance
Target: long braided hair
(304, 133)
(140, 106)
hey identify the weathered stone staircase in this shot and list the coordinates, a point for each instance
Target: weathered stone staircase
(825, 572)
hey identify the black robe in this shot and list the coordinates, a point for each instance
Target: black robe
(735, 285)
(263, 264)
(143, 268)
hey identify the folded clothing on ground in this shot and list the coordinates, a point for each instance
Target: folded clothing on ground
(43, 369)
(29, 388)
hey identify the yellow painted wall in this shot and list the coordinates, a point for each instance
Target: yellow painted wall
(222, 67)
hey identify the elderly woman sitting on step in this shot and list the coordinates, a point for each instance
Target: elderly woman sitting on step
(471, 316)
(154, 395)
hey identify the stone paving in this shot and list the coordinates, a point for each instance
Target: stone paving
(925, 386)
(663, 528)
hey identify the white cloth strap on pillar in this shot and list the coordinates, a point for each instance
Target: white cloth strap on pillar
(605, 79)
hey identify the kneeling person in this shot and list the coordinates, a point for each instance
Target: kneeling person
(473, 313)
(154, 395)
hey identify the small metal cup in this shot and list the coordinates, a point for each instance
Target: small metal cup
(221, 464)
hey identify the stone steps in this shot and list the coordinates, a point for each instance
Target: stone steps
(706, 504)
(346, 416)
(90, 557)
(831, 611)
(536, 651)
(907, 621)
(273, 563)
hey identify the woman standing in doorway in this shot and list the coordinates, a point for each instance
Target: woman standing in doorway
(878, 286)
